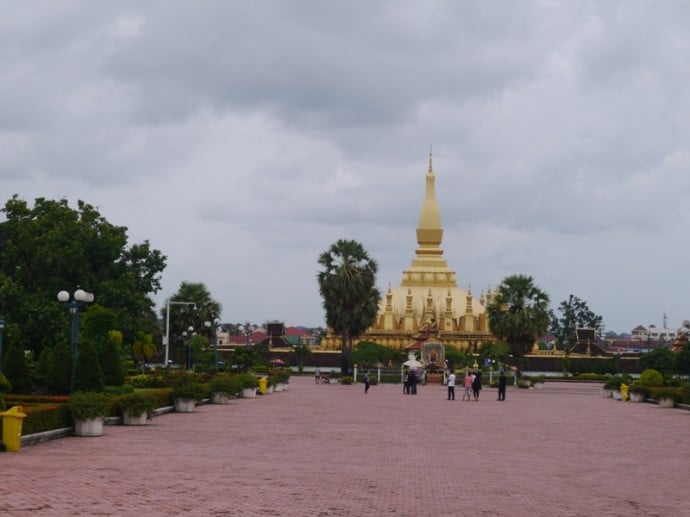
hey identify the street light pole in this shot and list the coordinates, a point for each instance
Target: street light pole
(188, 351)
(79, 300)
(214, 326)
(2, 329)
(167, 325)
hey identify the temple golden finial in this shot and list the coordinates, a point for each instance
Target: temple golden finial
(431, 169)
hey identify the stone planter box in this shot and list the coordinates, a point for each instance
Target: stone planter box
(249, 393)
(185, 405)
(636, 397)
(616, 394)
(129, 418)
(89, 427)
(538, 385)
(280, 387)
(220, 398)
(667, 403)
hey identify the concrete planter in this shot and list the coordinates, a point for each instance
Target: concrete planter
(280, 387)
(129, 418)
(636, 397)
(89, 427)
(667, 403)
(185, 405)
(248, 393)
(220, 398)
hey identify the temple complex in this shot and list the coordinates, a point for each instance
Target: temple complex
(428, 305)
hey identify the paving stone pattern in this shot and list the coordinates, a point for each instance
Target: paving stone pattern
(331, 450)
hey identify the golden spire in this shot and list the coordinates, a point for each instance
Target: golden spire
(429, 231)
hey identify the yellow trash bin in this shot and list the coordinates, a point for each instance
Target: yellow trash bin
(624, 392)
(263, 384)
(12, 427)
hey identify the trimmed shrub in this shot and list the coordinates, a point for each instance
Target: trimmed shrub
(225, 383)
(651, 378)
(45, 417)
(88, 375)
(136, 403)
(346, 379)
(89, 404)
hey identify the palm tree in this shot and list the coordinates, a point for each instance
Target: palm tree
(518, 313)
(143, 348)
(347, 284)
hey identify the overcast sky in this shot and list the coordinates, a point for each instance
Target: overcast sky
(243, 138)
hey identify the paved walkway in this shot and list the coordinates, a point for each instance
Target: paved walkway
(330, 450)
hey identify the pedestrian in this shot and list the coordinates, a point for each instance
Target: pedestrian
(477, 385)
(366, 383)
(413, 382)
(317, 375)
(467, 392)
(502, 386)
(406, 382)
(451, 385)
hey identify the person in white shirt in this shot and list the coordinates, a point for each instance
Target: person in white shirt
(451, 386)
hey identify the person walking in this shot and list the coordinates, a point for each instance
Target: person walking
(317, 375)
(477, 385)
(467, 392)
(502, 386)
(366, 383)
(451, 385)
(413, 382)
(406, 382)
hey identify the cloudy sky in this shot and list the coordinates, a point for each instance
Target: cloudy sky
(243, 138)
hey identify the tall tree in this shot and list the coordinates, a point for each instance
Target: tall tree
(347, 283)
(190, 306)
(518, 313)
(143, 349)
(50, 247)
(574, 314)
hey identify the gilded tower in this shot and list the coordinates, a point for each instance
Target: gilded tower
(428, 304)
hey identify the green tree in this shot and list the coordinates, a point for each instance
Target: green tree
(369, 355)
(198, 308)
(302, 351)
(88, 375)
(244, 357)
(111, 360)
(574, 314)
(59, 373)
(143, 349)
(498, 352)
(683, 360)
(14, 363)
(347, 283)
(660, 359)
(50, 247)
(518, 313)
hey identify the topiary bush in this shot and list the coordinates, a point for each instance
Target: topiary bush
(651, 378)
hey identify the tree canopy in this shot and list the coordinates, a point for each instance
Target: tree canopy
(518, 313)
(574, 314)
(347, 283)
(52, 247)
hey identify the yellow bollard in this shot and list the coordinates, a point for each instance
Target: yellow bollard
(263, 385)
(624, 392)
(12, 428)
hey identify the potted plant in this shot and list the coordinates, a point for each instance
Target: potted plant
(223, 387)
(667, 397)
(613, 385)
(537, 381)
(249, 383)
(88, 410)
(282, 377)
(136, 408)
(638, 393)
(186, 395)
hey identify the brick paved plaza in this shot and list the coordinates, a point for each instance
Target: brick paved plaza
(330, 450)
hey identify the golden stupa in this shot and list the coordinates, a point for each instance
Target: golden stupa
(428, 305)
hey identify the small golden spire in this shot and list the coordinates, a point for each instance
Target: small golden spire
(431, 170)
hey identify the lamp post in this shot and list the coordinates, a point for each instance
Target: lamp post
(188, 347)
(2, 329)
(214, 326)
(246, 331)
(167, 325)
(80, 299)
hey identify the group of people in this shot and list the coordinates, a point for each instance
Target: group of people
(410, 380)
(473, 385)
